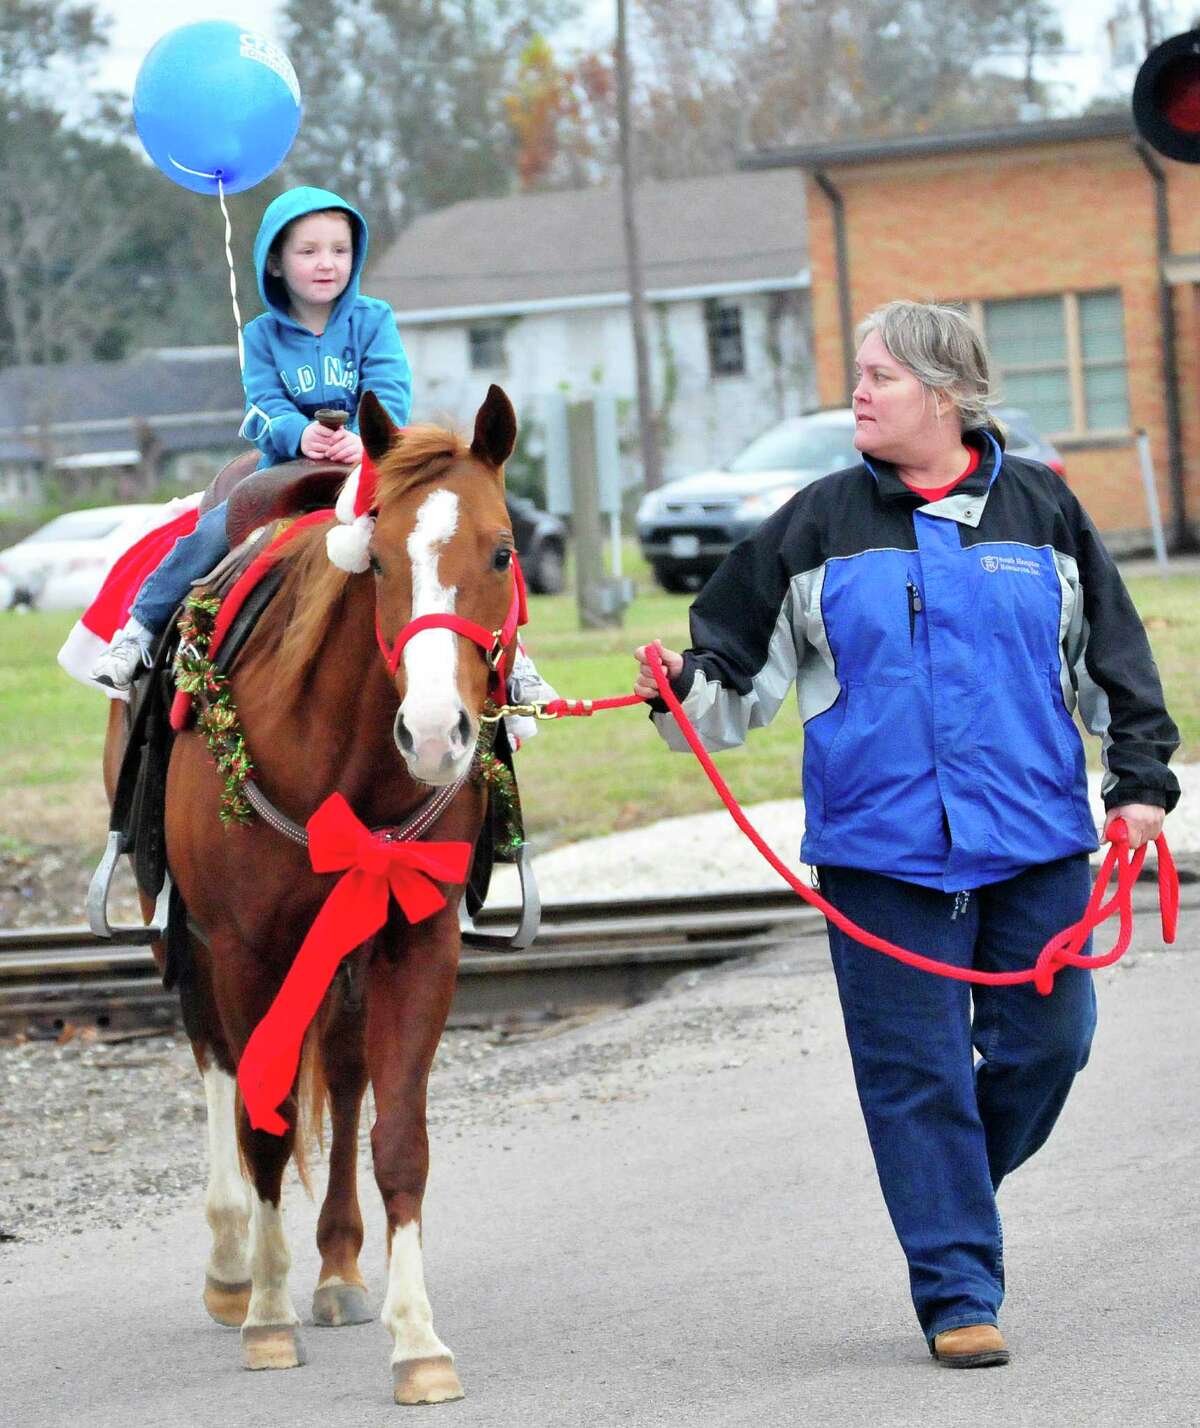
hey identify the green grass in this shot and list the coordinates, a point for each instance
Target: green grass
(51, 727)
(590, 776)
(579, 777)
(1170, 608)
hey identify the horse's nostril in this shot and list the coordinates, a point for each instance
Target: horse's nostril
(404, 740)
(463, 727)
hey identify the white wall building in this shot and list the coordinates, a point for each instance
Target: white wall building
(529, 292)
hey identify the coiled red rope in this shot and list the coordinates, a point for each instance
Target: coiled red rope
(1062, 950)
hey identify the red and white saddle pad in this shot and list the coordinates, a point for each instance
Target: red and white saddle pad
(106, 614)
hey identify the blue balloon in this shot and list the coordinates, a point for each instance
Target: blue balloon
(213, 99)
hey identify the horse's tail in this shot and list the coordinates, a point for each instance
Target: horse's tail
(312, 1093)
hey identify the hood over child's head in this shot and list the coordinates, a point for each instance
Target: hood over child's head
(279, 217)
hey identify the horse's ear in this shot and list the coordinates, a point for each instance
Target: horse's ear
(379, 433)
(495, 428)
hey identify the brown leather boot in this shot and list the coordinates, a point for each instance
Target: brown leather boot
(974, 1346)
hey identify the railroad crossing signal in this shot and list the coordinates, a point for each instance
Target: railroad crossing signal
(1166, 98)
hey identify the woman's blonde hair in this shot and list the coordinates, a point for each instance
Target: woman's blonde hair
(941, 348)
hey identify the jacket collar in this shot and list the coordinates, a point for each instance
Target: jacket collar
(976, 485)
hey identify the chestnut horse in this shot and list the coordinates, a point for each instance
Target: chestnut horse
(322, 713)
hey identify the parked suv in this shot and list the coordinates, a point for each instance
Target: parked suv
(541, 545)
(687, 527)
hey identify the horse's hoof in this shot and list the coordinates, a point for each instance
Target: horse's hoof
(338, 1303)
(272, 1346)
(431, 1380)
(226, 1303)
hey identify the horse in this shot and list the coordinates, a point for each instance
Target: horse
(324, 713)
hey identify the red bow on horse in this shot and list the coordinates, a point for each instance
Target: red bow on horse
(354, 911)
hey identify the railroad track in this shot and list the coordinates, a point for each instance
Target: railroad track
(588, 953)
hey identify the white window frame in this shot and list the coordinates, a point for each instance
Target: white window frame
(1076, 364)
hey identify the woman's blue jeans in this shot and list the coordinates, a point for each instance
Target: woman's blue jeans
(189, 558)
(944, 1127)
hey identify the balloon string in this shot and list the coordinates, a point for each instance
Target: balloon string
(237, 315)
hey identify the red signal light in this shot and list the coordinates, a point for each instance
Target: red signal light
(1166, 98)
(1177, 94)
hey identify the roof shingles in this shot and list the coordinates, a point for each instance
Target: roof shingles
(725, 229)
(190, 398)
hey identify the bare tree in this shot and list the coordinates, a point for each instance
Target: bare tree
(720, 76)
(647, 418)
(61, 229)
(404, 99)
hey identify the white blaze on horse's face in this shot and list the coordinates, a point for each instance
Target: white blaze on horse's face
(433, 729)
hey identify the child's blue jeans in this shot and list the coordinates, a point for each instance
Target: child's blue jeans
(946, 1129)
(190, 557)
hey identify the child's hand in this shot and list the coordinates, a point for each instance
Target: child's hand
(345, 446)
(315, 441)
(644, 686)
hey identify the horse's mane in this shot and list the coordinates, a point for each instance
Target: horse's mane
(298, 620)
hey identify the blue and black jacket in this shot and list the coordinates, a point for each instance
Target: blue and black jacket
(291, 372)
(939, 650)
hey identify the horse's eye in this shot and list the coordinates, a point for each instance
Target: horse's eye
(502, 558)
(376, 568)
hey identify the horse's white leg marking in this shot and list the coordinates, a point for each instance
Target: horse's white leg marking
(432, 703)
(227, 1203)
(406, 1310)
(270, 1302)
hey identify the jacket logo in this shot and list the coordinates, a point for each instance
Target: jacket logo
(340, 374)
(305, 381)
(334, 373)
(1011, 565)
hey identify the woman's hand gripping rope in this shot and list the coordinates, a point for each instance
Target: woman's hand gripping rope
(1143, 823)
(645, 686)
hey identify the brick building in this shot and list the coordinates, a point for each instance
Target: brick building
(1078, 251)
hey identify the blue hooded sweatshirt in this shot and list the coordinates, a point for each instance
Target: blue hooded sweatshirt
(290, 372)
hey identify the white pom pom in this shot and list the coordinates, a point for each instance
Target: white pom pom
(344, 510)
(348, 546)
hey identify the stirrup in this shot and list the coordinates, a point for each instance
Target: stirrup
(97, 899)
(528, 923)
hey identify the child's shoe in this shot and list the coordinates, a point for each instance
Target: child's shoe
(129, 652)
(525, 686)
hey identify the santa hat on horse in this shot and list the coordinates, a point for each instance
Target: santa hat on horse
(348, 542)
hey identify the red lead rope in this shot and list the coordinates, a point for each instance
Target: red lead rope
(1063, 949)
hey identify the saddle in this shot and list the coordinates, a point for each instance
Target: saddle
(256, 498)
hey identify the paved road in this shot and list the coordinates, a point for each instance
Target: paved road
(671, 1217)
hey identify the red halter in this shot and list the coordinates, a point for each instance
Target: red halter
(494, 643)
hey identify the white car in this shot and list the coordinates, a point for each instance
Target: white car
(62, 565)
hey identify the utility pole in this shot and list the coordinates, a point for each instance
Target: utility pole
(647, 421)
(1148, 23)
